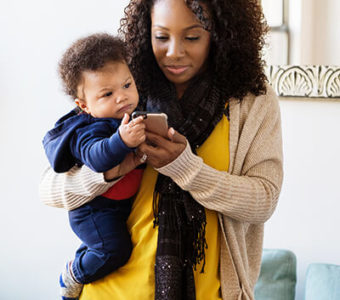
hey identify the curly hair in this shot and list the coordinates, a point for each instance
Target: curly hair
(237, 30)
(88, 53)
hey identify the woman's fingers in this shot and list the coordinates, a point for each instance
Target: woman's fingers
(176, 137)
(155, 139)
(161, 151)
(156, 157)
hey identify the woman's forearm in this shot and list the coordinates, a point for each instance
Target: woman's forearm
(249, 192)
(250, 198)
(71, 189)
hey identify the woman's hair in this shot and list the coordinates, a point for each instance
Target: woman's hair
(88, 53)
(237, 36)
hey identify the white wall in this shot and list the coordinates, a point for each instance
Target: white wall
(36, 240)
(306, 220)
(307, 217)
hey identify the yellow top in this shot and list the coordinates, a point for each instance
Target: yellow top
(135, 280)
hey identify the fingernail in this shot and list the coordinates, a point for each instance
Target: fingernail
(172, 131)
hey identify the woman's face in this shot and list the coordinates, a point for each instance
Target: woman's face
(179, 42)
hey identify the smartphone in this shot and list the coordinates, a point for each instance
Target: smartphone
(154, 122)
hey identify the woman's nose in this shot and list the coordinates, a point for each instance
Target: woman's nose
(175, 49)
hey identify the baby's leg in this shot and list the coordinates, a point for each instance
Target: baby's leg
(70, 289)
(101, 225)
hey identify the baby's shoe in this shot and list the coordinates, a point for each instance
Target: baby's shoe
(70, 289)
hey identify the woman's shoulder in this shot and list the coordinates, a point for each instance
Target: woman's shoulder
(269, 98)
(264, 102)
(254, 108)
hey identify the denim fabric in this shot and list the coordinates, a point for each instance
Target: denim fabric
(101, 225)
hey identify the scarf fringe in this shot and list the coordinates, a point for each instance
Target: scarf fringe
(155, 209)
(176, 222)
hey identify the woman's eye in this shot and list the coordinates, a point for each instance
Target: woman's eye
(161, 37)
(127, 85)
(108, 94)
(192, 38)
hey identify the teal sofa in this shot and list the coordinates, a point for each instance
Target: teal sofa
(322, 282)
(277, 278)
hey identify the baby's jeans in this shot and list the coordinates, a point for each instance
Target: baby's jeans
(101, 226)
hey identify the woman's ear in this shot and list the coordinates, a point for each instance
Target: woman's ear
(82, 105)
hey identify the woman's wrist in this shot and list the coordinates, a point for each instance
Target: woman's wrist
(183, 167)
(112, 174)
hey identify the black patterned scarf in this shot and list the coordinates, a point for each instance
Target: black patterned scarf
(181, 236)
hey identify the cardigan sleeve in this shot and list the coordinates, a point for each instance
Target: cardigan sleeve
(71, 189)
(250, 196)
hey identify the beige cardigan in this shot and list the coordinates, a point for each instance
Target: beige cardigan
(245, 197)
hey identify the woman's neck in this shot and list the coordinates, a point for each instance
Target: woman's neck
(180, 89)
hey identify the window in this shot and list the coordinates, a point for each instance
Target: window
(277, 51)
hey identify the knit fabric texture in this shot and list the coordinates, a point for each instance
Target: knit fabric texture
(181, 220)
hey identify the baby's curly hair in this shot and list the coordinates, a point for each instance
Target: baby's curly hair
(237, 31)
(88, 53)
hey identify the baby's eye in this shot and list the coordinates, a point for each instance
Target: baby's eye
(108, 94)
(127, 85)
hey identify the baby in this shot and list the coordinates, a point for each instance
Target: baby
(98, 134)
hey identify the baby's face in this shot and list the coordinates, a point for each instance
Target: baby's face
(108, 92)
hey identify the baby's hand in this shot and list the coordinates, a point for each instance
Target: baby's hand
(133, 132)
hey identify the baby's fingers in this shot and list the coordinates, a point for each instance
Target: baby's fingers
(137, 128)
(142, 138)
(136, 121)
(125, 119)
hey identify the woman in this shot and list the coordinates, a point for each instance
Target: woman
(197, 224)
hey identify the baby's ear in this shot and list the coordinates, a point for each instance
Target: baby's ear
(81, 104)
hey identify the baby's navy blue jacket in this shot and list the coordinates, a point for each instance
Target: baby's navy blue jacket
(79, 138)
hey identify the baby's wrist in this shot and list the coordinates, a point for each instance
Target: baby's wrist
(123, 138)
(129, 144)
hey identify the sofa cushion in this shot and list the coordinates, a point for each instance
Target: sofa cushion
(322, 282)
(277, 278)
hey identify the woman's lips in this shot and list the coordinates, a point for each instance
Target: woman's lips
(177, 70)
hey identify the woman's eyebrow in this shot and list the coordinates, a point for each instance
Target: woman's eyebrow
(187, 28)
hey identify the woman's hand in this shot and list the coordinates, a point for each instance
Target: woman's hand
(160, 151)
(130, 162)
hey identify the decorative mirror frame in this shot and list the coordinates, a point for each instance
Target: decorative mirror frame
(305, 81)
